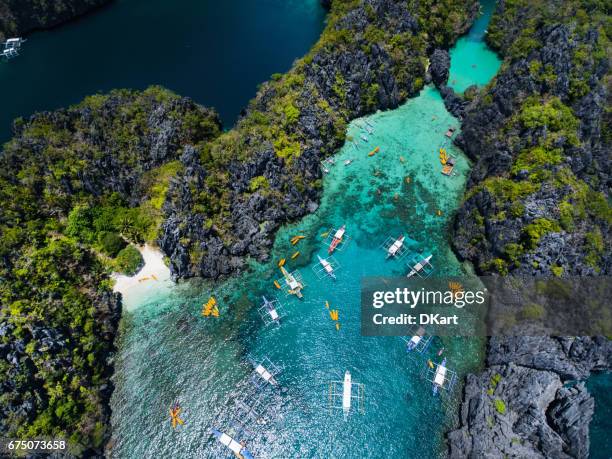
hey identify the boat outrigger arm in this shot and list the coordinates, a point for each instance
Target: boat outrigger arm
(237, 448)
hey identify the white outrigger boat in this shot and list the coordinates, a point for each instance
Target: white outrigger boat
(347, 162)
(338, 235)
(264, 372)
(269, 311)
(329, 269)
(418, 340)
(236, 447)
(364, 138)
(342, 393)
(295, 287)
(396, 247)
(12, 47)
(347, 387)
(420, 266)
(440, 377)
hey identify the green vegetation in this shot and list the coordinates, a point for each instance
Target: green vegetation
(259, 182)
(128, 260)
(110, 243)
(81, 186)
(77, 186)
(536, 230)
(321, 94)
(500, 406)
(533, 312)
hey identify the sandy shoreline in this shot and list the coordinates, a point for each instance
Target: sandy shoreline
(153, 273)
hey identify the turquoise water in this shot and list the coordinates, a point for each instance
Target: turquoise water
(472, 62)
(168, 353)
(202, 363)
(198, 48)
(600, 386)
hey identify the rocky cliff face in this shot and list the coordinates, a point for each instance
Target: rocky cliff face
(18, 17)
(67, 178)
(232, 196)
(537, 204)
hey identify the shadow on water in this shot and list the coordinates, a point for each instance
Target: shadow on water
(197, 48)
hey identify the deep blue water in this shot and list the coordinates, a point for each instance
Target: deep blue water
(215, 52)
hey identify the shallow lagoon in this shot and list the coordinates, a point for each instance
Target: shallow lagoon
(169, 353)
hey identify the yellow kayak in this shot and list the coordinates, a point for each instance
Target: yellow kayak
(281, 262)
(295, 255)
(430, 363)
(276, 284)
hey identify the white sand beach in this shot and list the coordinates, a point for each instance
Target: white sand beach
(153, 276)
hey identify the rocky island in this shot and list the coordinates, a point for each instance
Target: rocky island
(18, 17)
(537, 204)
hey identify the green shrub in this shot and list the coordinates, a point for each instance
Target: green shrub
(537, 229)
(533, 312)
(110, 243)
(557, 270)
(258, 182)
(129, 261)
(500, 406)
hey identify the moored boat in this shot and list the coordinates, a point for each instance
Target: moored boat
(237, 448)
(327, 267)
(419, 266)
(336, 240)
(395, 247)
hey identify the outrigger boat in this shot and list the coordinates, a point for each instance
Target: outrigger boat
(395, 247)
(364, 138)
(295, 287)
(419, 266)
(337, 239)
(271, 310)
(347, 162)
(237, 448)
(415, 340)
(342, 393)
(12, 47)
(347, 386)
(329, 269)
(440, 377)
(266, 375)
